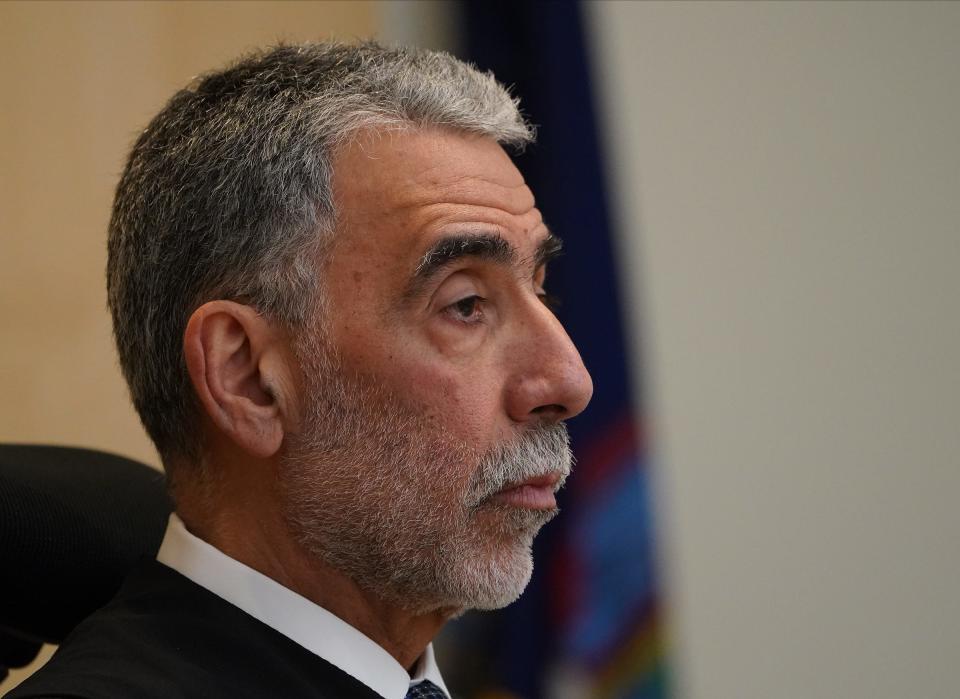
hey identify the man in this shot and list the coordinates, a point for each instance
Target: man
(327, 284)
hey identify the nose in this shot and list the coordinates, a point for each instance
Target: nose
(548, 381)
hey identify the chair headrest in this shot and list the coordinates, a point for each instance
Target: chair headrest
(73, 522)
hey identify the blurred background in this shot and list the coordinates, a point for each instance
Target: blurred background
(761, 207)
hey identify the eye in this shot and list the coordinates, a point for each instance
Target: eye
(467, 310)
(551, 301)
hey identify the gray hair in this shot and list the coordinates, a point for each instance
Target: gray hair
(227, 195)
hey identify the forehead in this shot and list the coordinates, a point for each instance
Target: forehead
(396, 192)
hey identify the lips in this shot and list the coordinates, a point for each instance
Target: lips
(535, 493)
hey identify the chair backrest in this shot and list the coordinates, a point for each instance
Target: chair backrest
(73, 522)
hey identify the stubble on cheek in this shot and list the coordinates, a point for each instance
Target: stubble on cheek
(379, 486)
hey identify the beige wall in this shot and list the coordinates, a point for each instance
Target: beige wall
(789, 185)
(77, 81)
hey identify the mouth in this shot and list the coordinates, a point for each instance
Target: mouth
(536, 493)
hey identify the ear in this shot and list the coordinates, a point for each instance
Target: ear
(239, 366)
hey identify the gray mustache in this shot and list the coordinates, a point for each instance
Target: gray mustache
(542, 450)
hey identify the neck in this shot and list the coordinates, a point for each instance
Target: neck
(254, 533)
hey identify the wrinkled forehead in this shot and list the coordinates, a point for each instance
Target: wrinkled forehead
(399, 190)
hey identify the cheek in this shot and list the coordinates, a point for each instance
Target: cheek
(464, 400)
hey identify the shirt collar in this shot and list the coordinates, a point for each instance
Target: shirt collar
(296, 617)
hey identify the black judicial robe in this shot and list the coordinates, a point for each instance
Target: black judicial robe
(166, 637)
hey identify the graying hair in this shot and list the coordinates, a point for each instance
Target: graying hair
(227, 195)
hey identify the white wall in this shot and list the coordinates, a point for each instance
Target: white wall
(789, 187)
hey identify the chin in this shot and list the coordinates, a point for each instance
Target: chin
(505, 586)
(492, 580)
(494, 575)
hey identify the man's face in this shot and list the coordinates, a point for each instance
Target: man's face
(431, 441)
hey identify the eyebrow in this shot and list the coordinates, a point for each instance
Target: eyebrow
(483, 246)
(549, 249)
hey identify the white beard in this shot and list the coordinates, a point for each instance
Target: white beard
(375, 489)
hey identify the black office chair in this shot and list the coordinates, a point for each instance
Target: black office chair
(73, 522)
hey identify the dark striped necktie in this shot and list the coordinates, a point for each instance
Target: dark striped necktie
(425, 690)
